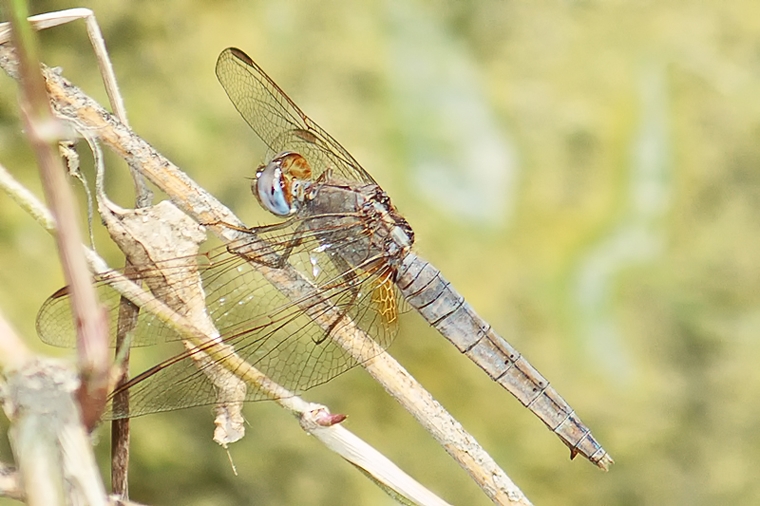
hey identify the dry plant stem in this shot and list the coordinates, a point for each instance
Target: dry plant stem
(71, 103)
(52, 449)
(13, 352)
(120, 429)
(359, 453)
(42, 130)
(26, 200)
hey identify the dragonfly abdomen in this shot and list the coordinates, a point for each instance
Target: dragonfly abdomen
(432, 295)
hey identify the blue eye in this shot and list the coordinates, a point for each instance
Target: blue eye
(268, 187)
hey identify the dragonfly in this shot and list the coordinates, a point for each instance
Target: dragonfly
(352, 251)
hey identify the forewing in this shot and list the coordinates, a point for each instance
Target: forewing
(278, 121)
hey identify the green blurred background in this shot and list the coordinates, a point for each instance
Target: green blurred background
(585, 172)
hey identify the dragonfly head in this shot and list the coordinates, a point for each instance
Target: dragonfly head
(281, 185)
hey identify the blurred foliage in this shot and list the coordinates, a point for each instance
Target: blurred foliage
(585, 172)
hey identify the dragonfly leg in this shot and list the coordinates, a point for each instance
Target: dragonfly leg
(224, 224)
(264, 252)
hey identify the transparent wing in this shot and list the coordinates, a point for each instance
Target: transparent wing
(274, 332)
(278, 121)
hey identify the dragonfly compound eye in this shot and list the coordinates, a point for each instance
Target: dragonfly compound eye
(269, 188)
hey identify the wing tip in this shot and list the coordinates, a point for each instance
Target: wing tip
(239, 54)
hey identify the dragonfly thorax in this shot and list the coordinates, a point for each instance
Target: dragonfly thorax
(357, 223)
(282, 185)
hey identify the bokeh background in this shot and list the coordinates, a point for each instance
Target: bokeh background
(585, 172)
